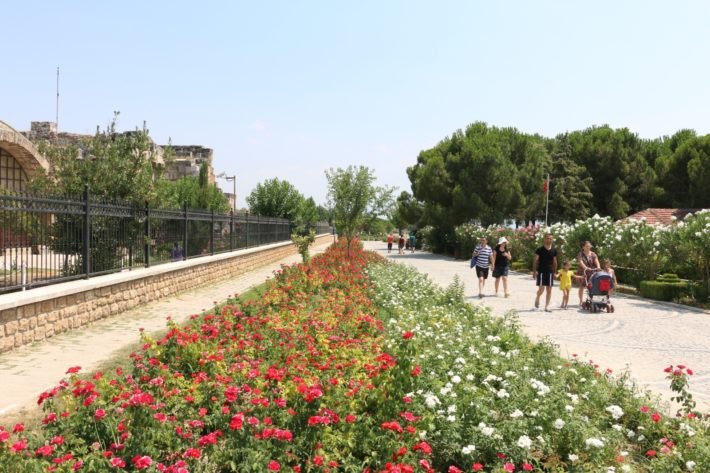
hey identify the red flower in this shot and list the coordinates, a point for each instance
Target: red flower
(99, 414)
(416, 370)
(274, 466)
(477, 467)
(73, 370)
(44, 450)
(651, 453)
(455, 469)
(527, 467)
(141, 463)
(117, 462)
(656, 417)
(18, 428)
(407, 335)
(509, 467)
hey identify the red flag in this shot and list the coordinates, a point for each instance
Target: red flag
(544, 186)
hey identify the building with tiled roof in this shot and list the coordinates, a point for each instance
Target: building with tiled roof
(662, 216)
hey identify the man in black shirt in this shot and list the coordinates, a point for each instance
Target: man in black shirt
(544, 270)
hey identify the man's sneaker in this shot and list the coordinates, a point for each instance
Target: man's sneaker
(536, 308)
(547, 309)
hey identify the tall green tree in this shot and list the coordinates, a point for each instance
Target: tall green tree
(355, 199)
(570, 194)
(275, 198)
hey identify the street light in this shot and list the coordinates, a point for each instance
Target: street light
(234, 183)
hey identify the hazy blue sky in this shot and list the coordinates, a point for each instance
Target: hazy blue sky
(288, 89)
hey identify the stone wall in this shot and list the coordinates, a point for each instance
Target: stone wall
(32, 316)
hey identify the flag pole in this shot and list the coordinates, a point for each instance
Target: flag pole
(547, 197)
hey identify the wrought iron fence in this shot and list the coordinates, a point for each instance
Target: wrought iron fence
(48, 239)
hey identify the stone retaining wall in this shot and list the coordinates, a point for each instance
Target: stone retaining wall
(32, 316)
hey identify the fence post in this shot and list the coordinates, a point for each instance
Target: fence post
(246, 245)
(184, 232)
(212, 233)
(87, 232)
(146, 237)
(231, 230)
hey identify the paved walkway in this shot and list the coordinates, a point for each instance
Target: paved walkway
(642, 335)
(30, 370)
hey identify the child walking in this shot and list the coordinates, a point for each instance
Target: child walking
(565, 276)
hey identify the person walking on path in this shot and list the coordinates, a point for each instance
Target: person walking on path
(484, 256)
(586, 259)
(400, 244)
(544, 270)
(390, 240)
(606, 265)
(565, 277)
(412, 241)
(501, 264)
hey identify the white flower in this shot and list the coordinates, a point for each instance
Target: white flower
(559, 424)
(524, 442)
(485, 430)
(451, 409)
(468, 449)
(502, 393)
(516, 413)
(451, 418)
(569, 408)
(594, 442)
(615, 411)
(690, 465)
(456, 379)
(572, 457)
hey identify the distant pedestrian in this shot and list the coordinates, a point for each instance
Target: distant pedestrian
(565, 276)
(484, 257)
(400, 244)
(586, 260)
(412, 241)
(501, 264)
(177, 254)
(544, 270)
(390, 240)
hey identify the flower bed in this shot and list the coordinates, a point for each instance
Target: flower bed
(352, 365)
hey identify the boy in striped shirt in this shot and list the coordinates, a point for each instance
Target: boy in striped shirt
(483, 254)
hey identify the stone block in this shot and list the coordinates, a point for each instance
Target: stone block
(46, 306)
(42, 320)
(11, 328)
(8, 316)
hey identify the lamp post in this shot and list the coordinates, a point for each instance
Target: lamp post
(234, 188)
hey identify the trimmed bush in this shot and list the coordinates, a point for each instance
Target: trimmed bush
(672, 290)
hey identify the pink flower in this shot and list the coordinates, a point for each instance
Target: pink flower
(99, 414)
(527, 467)
(509, 467)
(477, 467)
(117, 462)
(141, 463)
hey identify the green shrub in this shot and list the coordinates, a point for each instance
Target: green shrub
(519, 266)
(673, 290)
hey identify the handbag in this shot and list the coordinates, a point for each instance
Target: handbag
(474, 260)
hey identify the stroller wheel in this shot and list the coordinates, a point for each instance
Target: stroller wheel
(608, 308)
(611, 308)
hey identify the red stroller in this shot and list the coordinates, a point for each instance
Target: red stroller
(598, 283)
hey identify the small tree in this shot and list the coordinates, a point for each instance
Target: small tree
(275, 198)
(355, 199)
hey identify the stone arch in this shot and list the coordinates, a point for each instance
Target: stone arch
(22, 150)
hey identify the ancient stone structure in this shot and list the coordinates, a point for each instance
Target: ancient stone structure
(19, 159)
(187, 162)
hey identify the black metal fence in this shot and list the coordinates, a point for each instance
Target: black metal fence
(48, 239)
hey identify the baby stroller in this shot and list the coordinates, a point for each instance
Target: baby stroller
(598, 283)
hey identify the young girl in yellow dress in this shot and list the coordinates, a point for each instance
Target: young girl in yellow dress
(565, 276)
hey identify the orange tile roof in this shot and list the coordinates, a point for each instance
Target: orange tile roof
(662, 216)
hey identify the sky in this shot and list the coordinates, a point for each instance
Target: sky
(287, 90)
